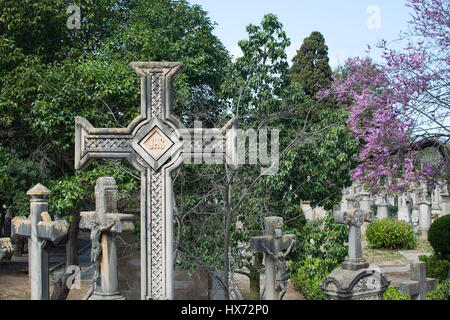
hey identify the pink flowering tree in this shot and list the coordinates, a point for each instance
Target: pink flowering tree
(400, 107)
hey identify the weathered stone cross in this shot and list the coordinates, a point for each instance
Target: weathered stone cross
(354, 217)
(39, 228)
(272, 244)
(419, 284)
(104, 224)
(156, 143)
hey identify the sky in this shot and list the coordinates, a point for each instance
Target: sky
(348, 26)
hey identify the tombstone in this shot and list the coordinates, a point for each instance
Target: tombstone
(105, 223)
(155, 143)
(419, 284)
(354, 280)
(6, 249)
(365, 200)
(275, 247)
(39, 229)
(382, 208)
(404, 212)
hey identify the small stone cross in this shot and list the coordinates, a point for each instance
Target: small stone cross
(272, 244)
(419, 284)
(104, 224)
(354, 217)
(39, 228)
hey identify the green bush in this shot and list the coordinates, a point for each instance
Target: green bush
(392, 293)
(442, 291)
(437, 267)
(310, 275)
(321, 239)
(439, 236)
(390, 234)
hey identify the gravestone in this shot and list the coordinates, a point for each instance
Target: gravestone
(445, 201)
(404, 204)
(39, 229)
(354, 280)
(275, 247)
(7, 224)
(424, 217)
(105, 224)
(419, 284)
(155, 143)
(435, 202)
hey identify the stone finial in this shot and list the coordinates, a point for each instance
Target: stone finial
(106, 195)
(38, 191)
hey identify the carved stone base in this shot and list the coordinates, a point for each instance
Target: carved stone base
(355, 264)
(363, 284)
(114, 296)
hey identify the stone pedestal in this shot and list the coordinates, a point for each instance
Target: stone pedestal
(419, 284)
(404, 213)
(362, 284)
(382, 210)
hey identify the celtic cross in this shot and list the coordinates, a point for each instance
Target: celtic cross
(156, 143)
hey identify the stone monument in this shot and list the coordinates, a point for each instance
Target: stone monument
(404, 205)
(156, 143)
(39, 229)
(354, 280)
(419, 284)
(105, 224)
(275, 247)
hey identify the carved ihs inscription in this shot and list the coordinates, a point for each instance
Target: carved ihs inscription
(156, 143)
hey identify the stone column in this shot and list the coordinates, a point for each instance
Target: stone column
(435, 202)
(382, 209)
(404, 213)
(424, 217)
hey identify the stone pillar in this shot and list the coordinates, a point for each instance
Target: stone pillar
(445, 204)
(404, 213)
(382, 209)
(424, 217)
(435, 202)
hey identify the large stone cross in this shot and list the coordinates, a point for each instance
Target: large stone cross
(275, 247)
(419, 284)
(354, 217)
(156, 143)
(39, 228)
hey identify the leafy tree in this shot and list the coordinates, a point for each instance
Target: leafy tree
(310, 66)
(400, 107)
(50, 74)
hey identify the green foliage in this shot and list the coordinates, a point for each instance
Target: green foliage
(437, 267)
(392, 293)
(309, 276)
(321, 239)
(442, 291)
(393, 211)
(310, 66)
(439, 236)
(390, 234)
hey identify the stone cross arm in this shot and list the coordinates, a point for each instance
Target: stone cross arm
(259, 243)
(53, 231)
(419, 284)
(412, 287)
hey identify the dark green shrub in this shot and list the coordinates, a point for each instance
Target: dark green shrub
(392, 293)
(321, 239)
(390, 234)
(442, 291)
(437, 267)
(439, 236)
(309, 276)
(393, 211)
